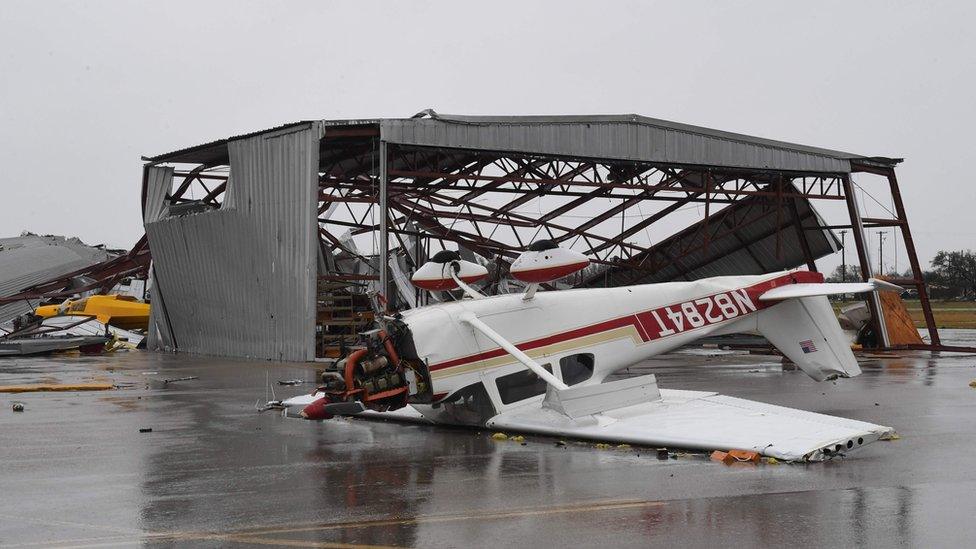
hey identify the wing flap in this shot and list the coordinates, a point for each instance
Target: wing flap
(705, 421)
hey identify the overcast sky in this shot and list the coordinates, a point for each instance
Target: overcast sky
(86, 88)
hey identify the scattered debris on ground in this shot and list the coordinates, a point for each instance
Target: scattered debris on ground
(745, 455)
(499, 436)
(26, 346)
(175, 379)
(724, 457)
(270, 405)
(292, 382)
(736, 456)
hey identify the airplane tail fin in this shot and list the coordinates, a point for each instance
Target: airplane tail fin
(806, 330)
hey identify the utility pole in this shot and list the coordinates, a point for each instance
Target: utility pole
(894, 247)
(881, 237)
(843, 256)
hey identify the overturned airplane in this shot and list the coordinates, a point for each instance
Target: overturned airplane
(538, 362)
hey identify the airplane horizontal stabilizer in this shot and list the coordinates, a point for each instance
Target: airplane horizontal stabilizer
(790, 291)
(704, 421)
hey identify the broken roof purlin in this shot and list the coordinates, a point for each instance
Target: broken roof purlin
(608, 137)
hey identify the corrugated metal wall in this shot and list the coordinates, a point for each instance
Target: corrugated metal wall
(240, 281)
(639, 140)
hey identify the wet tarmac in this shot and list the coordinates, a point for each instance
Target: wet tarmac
(75, 470)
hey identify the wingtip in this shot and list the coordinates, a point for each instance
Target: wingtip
(883, 286)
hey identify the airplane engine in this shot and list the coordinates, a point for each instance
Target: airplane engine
(382, 374)
(435, 275)
(545, 261)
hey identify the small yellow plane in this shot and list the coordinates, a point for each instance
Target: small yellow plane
(121, 311)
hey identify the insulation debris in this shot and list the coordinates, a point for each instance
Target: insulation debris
(737, 456)
(724, 457)
(745, 456)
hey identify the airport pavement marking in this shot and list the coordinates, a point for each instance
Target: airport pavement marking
(476, 515)
(256, 536)
(278, 542)
(232, 539)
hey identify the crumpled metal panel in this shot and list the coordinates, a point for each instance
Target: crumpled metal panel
(240, 281)
(159, 181)
(613, 137)
(771, 243)
(30, 259)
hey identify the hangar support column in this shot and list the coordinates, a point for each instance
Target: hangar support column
(906, 233)
(384, 259)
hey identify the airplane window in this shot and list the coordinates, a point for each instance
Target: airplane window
(521, 385)
(576, 368)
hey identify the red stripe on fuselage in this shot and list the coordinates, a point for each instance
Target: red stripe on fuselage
(656, 323)
(548, 340)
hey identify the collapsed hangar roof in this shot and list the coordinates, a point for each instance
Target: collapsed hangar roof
(628, 137)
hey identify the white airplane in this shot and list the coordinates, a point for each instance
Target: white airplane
(538, 362)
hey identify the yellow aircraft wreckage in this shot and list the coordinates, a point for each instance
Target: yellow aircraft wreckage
(120, 311)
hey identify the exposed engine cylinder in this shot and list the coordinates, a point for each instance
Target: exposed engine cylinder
(375, 364)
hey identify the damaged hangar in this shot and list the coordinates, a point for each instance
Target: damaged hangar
(268, 245)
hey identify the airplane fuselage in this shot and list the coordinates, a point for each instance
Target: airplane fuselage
(594, 332)
(538, 363)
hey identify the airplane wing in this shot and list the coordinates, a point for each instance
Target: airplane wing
(635, 411)
(701, 420)
(828, 288)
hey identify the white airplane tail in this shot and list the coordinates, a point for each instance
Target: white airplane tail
(803, 326)
(806, 331)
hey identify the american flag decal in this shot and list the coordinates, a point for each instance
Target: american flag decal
(808, 346)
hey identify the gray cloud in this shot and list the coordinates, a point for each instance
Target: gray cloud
(88, 87)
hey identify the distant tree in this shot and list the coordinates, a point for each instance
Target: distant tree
(853, 274)
(953, 274)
